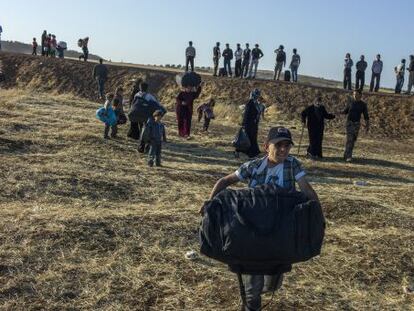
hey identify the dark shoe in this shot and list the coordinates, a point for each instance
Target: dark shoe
(158, 165)
(141, 149)
(150, 164)
(106, 137)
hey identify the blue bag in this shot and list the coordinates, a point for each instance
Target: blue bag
(107, 116)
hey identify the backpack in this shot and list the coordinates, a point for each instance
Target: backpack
(142, 109)
(280, 56)
(258, 229)
(287, 75)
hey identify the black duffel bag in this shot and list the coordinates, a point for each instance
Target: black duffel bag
(191, 79)
(241, 142)
(261, 227)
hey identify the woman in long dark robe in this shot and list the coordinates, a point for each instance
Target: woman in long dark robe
(251, 118)
(184, 110)
(134, 131)
(314, 117)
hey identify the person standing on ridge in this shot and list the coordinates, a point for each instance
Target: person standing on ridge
(376, 74)
(361, 65)
(256, 55)
(34, 47)
(228, 56)
(246, 61)
(348, 72)
(43, 42)
(100, 74)
(1, 30)
(294, 65)
(280, 62)
(190, 54)
(238, 54)
(354, 110)
(399, 74)
(411, 75)
(216, 58)
(85, 50)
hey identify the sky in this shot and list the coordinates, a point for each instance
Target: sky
(158, 31)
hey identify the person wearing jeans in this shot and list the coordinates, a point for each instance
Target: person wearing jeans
(228, 56)
(238, 54)
(256, 55)
(400, 72)
(294, 65)
(348, 72)
(100, 74)
(246, 61)
(376, 74)
(190, 54)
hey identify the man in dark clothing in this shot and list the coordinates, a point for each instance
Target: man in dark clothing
(246, 61)
(43, 42)
(280, 61)
(238, 54)
(354, 110)
(216, 57)
(228, 56)
(410, 75)
(348, 72)
(100, 74)
(314, 117)
(360, 74)
(376, 74)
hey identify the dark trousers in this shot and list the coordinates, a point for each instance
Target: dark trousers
(34, 51)
(101, 87)
(113, 132)
(189, 60)
(294, 71)
(245, 68)
(206, 124)
(216, 65)
(375, 78)
(315, 142)
(133, 131)
(352, 130)
(347, 79)
(399, 84)
(227, 66)
(85, 54)
(43, 50)
(154, 154)
(359, 80)
(238, 68)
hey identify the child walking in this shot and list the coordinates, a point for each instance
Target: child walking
(206, 111)
(110, 111)
(156, 135)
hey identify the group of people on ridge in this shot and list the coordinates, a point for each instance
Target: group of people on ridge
(50, 47)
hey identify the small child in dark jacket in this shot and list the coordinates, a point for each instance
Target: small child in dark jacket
(206, 111)
(156, 135)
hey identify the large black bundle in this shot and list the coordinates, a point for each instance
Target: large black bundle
(142, 109)
(241, 142)
(264, 226)
(191, 79)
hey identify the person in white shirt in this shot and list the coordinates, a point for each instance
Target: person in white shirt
(376, 74)
(190, 54)
(238, 54)
(399, 73)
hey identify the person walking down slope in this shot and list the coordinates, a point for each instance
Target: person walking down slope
(277, 168)
(238, 54)
(314, 118)
(280, 61)
(250, 123)
(294, 65)
(256, 55)
(399, 74)
(376, 74)
(228, 56)
(354, 110)
(100, 74)
(246, 61)
(190, 54)
(216, 58)
(348, 72)
(184, 109)
(411, 75)
(361, 66)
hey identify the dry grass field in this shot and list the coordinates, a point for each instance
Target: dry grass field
(86, 225)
